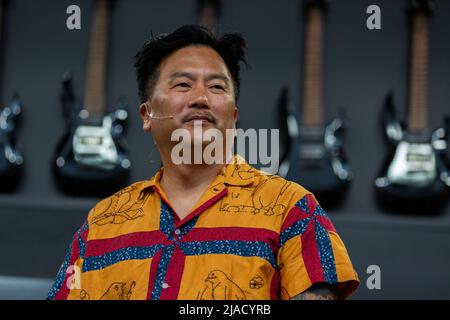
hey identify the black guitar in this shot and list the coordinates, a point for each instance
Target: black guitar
(317, 159)
(415, 177)
(11, 160)
(91, 158)
(288, 129)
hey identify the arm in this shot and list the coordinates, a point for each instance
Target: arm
(69, 273)
(300, 255)
(321, 291)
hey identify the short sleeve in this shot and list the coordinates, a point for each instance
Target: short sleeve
(312, 252)
(68, 277)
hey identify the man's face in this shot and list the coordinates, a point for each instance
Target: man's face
(194, 84)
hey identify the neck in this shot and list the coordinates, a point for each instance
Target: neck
(187, 177)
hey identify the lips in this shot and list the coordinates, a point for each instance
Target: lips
(204, 117)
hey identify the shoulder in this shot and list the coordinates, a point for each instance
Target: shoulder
(108, 210)
(287, 201)
(266, 185)
(290, 192)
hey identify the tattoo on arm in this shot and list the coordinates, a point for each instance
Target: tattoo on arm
(322, 291)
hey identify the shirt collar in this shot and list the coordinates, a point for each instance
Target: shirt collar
(235, 173)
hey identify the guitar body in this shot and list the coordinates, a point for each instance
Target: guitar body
(11, 160)
(318, 162)
(91, 158)
(415, 176)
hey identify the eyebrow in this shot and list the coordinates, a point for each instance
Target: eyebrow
(212, 76)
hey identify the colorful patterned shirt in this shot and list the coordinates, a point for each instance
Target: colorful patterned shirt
(250, 236)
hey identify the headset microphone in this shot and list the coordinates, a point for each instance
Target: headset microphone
(158, 118)
(150, 114)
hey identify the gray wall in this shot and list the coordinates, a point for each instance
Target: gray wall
(37, 222)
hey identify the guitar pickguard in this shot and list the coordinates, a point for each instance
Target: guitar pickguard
(413, 164)
(94, 146)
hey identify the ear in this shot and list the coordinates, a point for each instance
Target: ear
(146, 120)
(235, 115)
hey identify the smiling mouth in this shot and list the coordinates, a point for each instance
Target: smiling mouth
(199, 118)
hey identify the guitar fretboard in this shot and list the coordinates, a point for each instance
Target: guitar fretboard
(312, 85)
(1, 19)
(418, 86)
(95, 91)
(209, 14)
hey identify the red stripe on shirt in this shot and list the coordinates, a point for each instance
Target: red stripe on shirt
(173, 275)
(295, 214)
(326, 223)
(310, 254)
(137, 239)
(311, 203)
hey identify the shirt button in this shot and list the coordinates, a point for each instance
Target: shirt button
(165, 285)
(177, 232)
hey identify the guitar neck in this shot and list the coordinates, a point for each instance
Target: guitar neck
(95, 91)
(418, 86)
(209, 14)
(312, 85)
(1, 19)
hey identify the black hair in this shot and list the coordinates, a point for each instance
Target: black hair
(231, 47)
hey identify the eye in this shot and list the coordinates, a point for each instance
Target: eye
(218, 87)
(183, 85)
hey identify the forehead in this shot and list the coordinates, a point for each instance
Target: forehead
(201, 59)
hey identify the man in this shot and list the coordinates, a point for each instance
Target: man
(203, 231)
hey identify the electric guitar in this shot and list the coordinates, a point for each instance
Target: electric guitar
(11, 160)
(415, 177)
(317, 159)
(288, 130)
(91, 158)
(208, 14)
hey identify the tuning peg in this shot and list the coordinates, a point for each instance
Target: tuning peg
(342, 115)
(120, 116)
(446, 125)
(16, 104)
(121, 112)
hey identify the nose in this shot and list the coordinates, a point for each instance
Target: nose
(199, 98)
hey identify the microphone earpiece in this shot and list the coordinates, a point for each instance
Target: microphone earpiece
(150, 114)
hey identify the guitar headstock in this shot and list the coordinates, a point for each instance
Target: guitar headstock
(208, 12)
(215, 4)
(422, 6)
(317, 3)
(309, 5)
